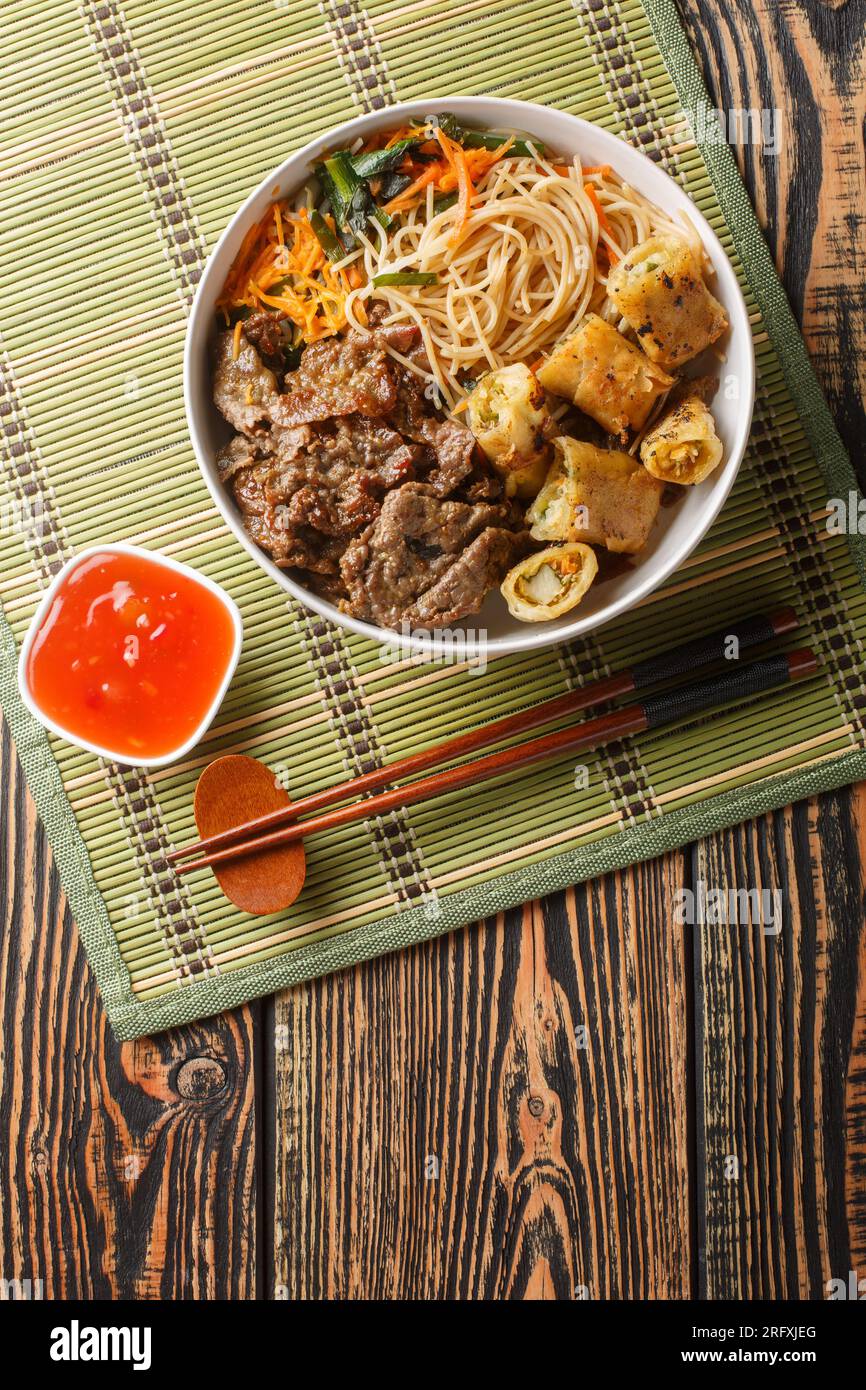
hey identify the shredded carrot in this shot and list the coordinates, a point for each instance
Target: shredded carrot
(603, 222)
(446, 177)
(600, 212)
(566, 169)
(478, 162)
(375, 142)
(401, 133)
(281, 265)
(236, 340)
(461, 405)
(404, 200)
(456, 156)
(238, 265)
(534, 366)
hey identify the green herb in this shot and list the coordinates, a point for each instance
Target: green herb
(443, 201)
(379, 215)
(352, 194)
(393, 185)
(406, 277)
(480, 139)
(375, 162)
(335, 203)
(327, 239)
(485, 140)
(444, 121)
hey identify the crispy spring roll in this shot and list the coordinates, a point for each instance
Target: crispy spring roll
(509, 418)
(599, 496)
(605, 376)
(549, 583)
(683, 447)
(660, 291)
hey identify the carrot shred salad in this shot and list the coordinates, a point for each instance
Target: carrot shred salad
(305, 262)
(282, 265)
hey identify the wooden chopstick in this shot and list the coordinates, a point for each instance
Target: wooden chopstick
(667, 665)
(631, 719)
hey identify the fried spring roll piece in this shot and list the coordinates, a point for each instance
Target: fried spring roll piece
(683, 446)
(508, 415)
(599, 496)
(605, 376)
(549, 583)
(660, 291)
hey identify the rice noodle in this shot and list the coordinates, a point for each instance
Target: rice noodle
(525, 271)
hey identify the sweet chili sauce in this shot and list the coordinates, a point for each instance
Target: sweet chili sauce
(130, 655)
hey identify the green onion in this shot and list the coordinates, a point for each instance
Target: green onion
(327, 239)
(335, 202)
(342, 175)
(443, 201)
(380, 215)
(445, 122)
(352, 194)
(406, 277)
(480, 139)
(485, 140)
(374, 162)
(393, 185)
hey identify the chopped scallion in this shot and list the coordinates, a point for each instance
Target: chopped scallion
(406, 277)
(327, 239)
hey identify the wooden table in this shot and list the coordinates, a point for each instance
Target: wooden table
(578, 1095)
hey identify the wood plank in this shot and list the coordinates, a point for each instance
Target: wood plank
(776, 1018)
(804, 61)
(496, 1114)
(780, 1021)
(558, 1165)
(128, 1170)
(855, 1088)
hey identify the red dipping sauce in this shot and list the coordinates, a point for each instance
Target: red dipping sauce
(131, 655)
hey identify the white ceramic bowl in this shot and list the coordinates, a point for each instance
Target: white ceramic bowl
(121, 548)
(678, 529)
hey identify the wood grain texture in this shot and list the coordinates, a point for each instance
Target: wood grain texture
(776, 1018)
(806, 61)
(855, 1087)
(498, 1114)
(128, 1170)
(781, 1025)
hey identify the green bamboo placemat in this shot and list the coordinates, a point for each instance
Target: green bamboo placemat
(132, 133)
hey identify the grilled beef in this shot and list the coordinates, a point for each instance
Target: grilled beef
(427, 560)
(322, 451)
